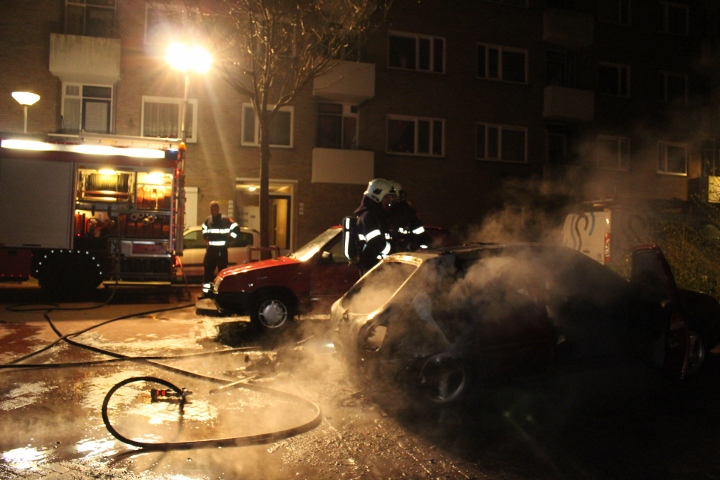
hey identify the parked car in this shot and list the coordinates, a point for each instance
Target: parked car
(190, 266)
(272, 292)
(444, 323)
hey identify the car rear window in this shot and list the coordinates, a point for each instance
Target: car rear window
(377, 287)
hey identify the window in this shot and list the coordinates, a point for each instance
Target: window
(614, 79)
(672, 158)
(555, 68)
(673, 88)
(501, 63)
(161, 118)
(281, 127)
(92, 18)
(415, 52)
(614, 11)
(416, 136)
(674, 18)
(557, 147)
(613, 153)
(86, 108)
(164, 20)
(337, 126)
(501, 143)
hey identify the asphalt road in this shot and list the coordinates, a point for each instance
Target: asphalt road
(627, 423)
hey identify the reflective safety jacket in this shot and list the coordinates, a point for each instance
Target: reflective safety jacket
(407, 229)
(374, 234)
(219, 230)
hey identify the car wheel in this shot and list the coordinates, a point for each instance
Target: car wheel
(696, 355)
(444, 379)
(272, 311)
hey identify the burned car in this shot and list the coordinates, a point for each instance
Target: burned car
(443, 323)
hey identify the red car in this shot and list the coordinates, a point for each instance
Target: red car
(308, 281)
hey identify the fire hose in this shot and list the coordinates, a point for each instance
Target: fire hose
(174, 391)
(181, 394)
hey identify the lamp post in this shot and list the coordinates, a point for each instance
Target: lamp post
(25, 99)
(185, 59)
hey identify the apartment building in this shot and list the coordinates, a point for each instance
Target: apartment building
(473, 106)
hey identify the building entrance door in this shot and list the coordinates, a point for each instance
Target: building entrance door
(247, 204)
(280, 221)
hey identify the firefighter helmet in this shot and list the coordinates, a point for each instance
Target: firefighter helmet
(398, 189)
(378, 188)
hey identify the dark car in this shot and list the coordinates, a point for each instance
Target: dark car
(443, 323)
(308, 281)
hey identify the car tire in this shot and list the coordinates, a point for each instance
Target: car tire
(444, 380)
(272, 311)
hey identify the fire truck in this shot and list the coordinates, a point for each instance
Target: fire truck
(75, 215)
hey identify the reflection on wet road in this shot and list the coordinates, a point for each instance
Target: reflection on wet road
(621, 425)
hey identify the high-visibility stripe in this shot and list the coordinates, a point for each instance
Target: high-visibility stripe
(217, 243)
(372, 235)
(419, 230)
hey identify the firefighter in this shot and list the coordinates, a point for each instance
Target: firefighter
(373, 223)
(407, 229)
(217, 230)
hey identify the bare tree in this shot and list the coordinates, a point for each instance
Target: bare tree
(269, 50)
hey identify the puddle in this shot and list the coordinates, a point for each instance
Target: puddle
(24, 395)
(25, 458)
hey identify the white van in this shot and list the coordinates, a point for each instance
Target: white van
(589, 233)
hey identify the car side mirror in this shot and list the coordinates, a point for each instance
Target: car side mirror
(326, 257)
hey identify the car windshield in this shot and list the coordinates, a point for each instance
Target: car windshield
(378, 286)
(313, 246)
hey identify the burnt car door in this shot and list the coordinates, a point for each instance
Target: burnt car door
(660, 328)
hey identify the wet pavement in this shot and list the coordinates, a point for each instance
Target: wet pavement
(61, 361)
(271, 408)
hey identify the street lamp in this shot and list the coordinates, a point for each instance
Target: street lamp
(185, 59)
(25, 99)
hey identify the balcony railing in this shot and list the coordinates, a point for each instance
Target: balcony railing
(347, 82)
(75, 58)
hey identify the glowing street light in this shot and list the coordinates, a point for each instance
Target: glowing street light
(185, 59)
(25, 99)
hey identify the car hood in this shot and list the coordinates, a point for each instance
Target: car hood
(279, 262)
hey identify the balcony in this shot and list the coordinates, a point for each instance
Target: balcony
(347, 82)
(568, 29)
(568, 104)
(75, 58)
(331, 165)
